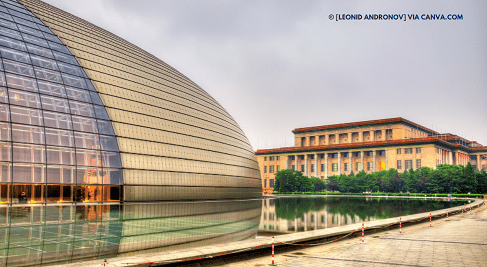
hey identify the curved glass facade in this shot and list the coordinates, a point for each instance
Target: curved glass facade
(57, 143)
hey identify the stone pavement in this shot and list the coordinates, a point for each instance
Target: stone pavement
(458, 242)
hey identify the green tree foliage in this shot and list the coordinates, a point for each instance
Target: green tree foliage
(446, 178)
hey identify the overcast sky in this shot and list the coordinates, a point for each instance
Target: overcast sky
(279, 65)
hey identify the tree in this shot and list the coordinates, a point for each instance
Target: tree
(318, 184)
(470, 179)
(285, 181)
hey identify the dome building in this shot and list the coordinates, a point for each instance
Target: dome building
(96, 132)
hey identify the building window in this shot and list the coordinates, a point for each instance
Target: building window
(312, 218)
(418, 163)
(293, 167)
(334, 155)
(312, 167)
(312, 156)
(301, 156)
(322, 156)
(399, 165)
(408, 164)
(302, 168)
(345, 154)
(345, 166)
(322, 167)
(278, 167)
(265, 182)
(265, 169)
(334, 167)
(271, 169)
(292, 157)
(265, 158)
(369, 153)
(358, 166)
(271, 216)
(408, 151)
(418, 150)
(322, 218)
(369, 166)
(271, 182)
(358, 154)
(398, 151)
(271, 158)
(382, 153)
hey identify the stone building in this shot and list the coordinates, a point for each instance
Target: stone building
(374, 145)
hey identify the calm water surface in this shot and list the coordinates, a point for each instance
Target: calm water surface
(295, 214)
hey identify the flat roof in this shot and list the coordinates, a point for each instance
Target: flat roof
(362, 124)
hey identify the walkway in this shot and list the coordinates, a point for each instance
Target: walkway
(458, 242)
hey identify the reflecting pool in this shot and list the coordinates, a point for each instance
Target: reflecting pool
(295, 214)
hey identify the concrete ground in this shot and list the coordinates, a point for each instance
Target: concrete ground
(457, 242)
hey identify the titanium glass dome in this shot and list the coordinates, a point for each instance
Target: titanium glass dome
(95, 133)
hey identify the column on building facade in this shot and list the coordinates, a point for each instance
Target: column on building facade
(479, 166)
(362, 160)
(295, 224)
(316, 220)
(326, 165)
(339, 163)
(287, 161)
(361, 136)
(337, 139)
(326, 219)
(383, 133)
(375, 163)
(350, 163)
(305, 222)
(372, 136)
(316, 165)
(349, 137)
(387, 162)
(296, 159)
(305, 165)
(450, 157)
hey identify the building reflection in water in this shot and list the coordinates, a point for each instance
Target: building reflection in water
(297, 214)
(39, 234)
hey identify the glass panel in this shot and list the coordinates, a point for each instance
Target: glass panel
(30, 31)
(78, 94)
(108, 143)
(4, 112)
(6, 16)
(15, 55)
(59, 137)
(12, 43)
(49, 75)
(86, 140)
(44, 62)
(4, 131)
(59, 47)
(90, 85)
(55, 104)
(105, 127)
(3, 95)
(111, 159)
(65, 58)
(25, 22)
(112, 176)
(27, 134)
(8, 24)
(19, 12)
(43, 28)
(26, 115)
(51, 89)
(96, 98)
(84, 124)
(88, 193)
(35, 40)
(24, 98)
(5, 152)
(52, 38)
(86, 175)
(3, 82)
(57, 120)
(28, 173)
(28, 153)
(82, 109)
(101, 112)
(5, 176)
(59, 155)
(19, 82)
(88, 158)
(74, 81)
(10, 33)
(19, 68)
(70, 69)
(40, 51)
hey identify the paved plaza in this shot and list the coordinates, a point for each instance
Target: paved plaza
(458, 242)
